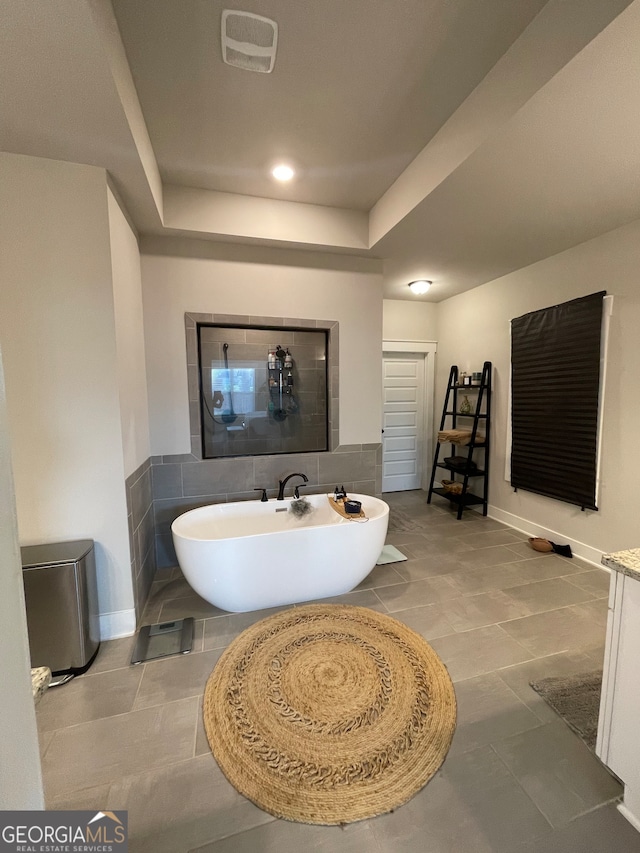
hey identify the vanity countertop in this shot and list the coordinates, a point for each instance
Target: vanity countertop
(40, 678)
(626, 562)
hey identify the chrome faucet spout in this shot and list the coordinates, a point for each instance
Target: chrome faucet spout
(283, 483)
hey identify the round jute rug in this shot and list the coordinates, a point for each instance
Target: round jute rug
(329, 714)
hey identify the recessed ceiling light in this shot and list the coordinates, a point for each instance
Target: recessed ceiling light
(420, 287)
(282, 172)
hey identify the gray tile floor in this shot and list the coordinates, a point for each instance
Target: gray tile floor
(516, 779)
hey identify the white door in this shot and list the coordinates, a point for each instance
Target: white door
(403, 421)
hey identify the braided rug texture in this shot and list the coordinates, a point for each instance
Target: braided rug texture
(329, 714)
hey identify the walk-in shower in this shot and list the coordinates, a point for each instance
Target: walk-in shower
(262, 390)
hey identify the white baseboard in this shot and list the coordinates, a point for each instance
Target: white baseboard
(121, 623)
(633, 820)
(579, 549)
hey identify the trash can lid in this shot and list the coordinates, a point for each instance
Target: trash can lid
(52, 553)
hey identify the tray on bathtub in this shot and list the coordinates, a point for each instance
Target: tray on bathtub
(339, 508)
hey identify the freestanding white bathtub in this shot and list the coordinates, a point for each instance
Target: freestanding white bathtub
(249, 555)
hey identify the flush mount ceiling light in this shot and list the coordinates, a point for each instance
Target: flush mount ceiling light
(283, 172)
(420, 287)
(249, 41)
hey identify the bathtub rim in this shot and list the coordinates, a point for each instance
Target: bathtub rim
(340, 520)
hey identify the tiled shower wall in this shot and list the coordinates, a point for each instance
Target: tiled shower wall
(184, 481)
(304, 427)
(141, 533)
(332, 327)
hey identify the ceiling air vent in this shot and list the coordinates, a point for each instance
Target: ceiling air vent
(249, 41)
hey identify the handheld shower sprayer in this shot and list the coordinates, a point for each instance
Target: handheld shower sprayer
(230, 416)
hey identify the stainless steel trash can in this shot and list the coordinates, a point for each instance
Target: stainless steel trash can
(62, 605)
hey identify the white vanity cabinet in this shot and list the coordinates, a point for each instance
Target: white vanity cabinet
(618, 744)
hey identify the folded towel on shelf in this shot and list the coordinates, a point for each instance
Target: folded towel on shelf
(461, 464)
(458, 436)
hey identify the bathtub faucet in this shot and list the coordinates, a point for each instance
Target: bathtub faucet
(283, 483)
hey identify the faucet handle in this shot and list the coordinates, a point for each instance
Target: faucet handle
(264, 497)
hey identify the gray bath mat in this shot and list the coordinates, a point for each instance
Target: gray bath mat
(576, 698)
(390, 555)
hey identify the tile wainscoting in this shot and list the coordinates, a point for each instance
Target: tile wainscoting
(182, 482)
(140, 519)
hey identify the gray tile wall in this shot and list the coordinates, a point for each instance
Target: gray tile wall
(141, 533)
(183, 482)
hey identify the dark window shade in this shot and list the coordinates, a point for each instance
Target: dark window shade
(555, 386)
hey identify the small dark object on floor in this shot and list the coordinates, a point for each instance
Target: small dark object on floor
(546, 547)
(563, 550)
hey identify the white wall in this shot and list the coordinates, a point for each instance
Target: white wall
(173, 285)
(20, 778)
(198, 211)
(474, 326)
(409, 321)
(129, 328)
(58, 335)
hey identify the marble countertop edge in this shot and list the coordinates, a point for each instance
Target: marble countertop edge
(626, 562)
